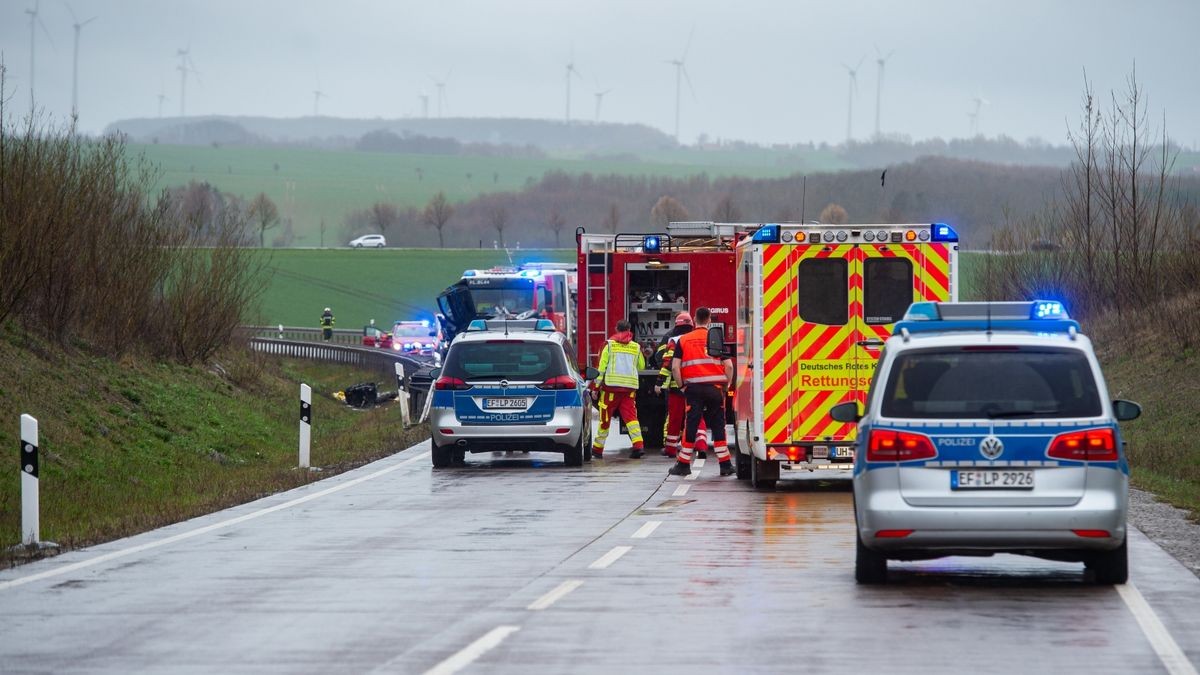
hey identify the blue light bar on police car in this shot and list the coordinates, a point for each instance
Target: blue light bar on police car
(651, 243)
(1048, 309)
(767, 234)
(941, 232)
(1038, 316)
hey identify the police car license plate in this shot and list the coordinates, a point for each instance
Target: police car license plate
(991, 479)
(503, 403)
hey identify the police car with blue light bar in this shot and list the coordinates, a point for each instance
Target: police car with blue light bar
(510, 385)
(988, 429)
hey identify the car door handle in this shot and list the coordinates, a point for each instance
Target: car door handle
(872, 342)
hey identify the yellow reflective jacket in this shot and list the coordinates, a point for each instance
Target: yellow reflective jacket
(620, 361)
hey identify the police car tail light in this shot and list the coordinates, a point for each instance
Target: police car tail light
(898, 446)
(560, 382)
(445, 383)
(1094, 445)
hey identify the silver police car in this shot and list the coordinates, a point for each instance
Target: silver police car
(510, 385)
(988, 429)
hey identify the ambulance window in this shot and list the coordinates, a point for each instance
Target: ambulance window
(823, 291)
(887, 289)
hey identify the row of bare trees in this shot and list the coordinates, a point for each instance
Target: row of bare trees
(94, 259)
(1124, 235)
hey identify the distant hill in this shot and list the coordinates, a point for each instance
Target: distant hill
(334, 132)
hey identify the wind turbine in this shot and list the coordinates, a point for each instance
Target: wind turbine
(317, 96)
(979, 102)
(75, 72)
(599, 99)
(161, 97)
(571, 71)
(853, 72)
(441, 90)
(880, 61)
(424, 105)
(680, 75)
(34, 21)
(185, 66)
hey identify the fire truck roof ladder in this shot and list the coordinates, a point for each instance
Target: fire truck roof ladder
(598, 255)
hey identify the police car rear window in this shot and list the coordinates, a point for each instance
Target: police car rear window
(503, 359)
(823, 291)
(1009, 384)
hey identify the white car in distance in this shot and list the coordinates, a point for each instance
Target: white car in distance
(369, 241)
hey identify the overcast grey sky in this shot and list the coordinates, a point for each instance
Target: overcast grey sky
(762, 71)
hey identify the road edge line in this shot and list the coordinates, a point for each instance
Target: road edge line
(467, 655)
(1168, 651)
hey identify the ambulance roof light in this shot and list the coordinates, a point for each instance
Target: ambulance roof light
(651, 244)
(767, 234)
(941, 232)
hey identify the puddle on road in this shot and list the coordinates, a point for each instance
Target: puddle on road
(664, 506)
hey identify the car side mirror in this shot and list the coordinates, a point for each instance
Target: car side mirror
(1126, 410)
(435, 373)
(590, 373)
(845, 412)
(716, 341)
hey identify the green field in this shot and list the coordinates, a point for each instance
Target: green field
(360, 285)
(310, 185)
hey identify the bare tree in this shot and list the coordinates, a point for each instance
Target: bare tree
(383, 217)
(264, 215)
(556, 223)
(322, 229)
(667, 210)
(834, 214)
(726, 211)
(498, 218)
(438, 213)
(613, 220)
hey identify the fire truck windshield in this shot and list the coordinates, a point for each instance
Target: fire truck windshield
(503, 302)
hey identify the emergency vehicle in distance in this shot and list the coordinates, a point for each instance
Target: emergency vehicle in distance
(649, 279)
(529, 291)
(815, 304)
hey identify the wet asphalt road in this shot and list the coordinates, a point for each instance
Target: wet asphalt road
(519, 564)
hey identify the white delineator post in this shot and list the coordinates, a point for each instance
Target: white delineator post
(305, 424)
(403, 395)
(30, 520)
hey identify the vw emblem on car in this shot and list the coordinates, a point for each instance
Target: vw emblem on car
(504, 384)
(991, 447)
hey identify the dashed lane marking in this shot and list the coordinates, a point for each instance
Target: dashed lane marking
(558, 593)
(90, 562)
(680, 491)
(467, 655)
(609, 558)
(649, 528)
(1164, 645)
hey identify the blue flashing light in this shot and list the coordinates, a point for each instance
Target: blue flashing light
(544, 324)
(1036, 326)
(651, 244)
(1048, 309)
(767, 234)
(923, 311)
(477, 324)
(942, 232)
(469, 273)
(425, 323)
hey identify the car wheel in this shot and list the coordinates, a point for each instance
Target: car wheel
(574, 455)
(870, 567)
(1110, 567)
(757, 480)
(442, 455)
(358, 246)
(742, 461)
(587, 443)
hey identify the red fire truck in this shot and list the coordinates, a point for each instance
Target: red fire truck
(649, 279)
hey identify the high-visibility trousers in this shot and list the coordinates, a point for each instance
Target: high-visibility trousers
(705, 403)
(673, 427)
(621, 402)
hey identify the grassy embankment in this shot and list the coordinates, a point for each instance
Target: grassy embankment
(311, 185)
(132, 445)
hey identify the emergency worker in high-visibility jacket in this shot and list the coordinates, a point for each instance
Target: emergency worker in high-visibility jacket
(327, 324)
(616, 387)
(705, 380)
(676, 408)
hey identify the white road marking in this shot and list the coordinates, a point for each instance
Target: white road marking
(555, 595)
(696, 466)
(473, 651)
(609, 558)
(681, 490)
(73, 567)
(649, 528)
(1164, 645)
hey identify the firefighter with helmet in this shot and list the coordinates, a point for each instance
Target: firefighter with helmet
(673, 425)
(327, 324)
(704, 379)
(617, 385)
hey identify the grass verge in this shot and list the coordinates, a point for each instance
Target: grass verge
(133, 445)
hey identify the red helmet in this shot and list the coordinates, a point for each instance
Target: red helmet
(683, 318)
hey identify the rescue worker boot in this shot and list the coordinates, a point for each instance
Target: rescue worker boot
(727, 468)
(680, 469)
(636, 453)
(597, 454)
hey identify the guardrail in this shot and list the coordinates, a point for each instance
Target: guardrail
(341, 336)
